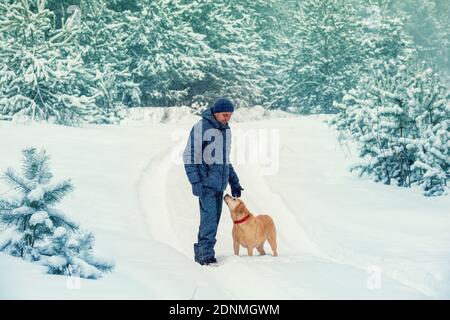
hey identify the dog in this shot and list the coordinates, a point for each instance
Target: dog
(249, 231)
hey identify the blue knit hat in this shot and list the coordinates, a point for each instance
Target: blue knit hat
(222, 105)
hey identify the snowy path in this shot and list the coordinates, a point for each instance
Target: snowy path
(177, 223)
(132, 192)
(302, 270)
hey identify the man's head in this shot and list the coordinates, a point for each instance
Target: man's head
(223, 109)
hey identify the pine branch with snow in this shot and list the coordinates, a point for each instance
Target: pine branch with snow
(70, 254)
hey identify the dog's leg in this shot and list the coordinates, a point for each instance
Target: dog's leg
(260, 249)
(250, 251)
(236, 247)
(272, 238)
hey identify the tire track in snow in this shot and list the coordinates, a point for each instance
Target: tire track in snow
(292, 234)
(151, 192)
(172, 217)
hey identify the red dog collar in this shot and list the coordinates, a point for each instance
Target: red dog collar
(242, 220)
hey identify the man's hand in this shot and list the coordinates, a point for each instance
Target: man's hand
(236, 190)
(197, 189)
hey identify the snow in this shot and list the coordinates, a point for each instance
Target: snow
(59, 232)
(56, 261)
(38, 217)
(36, 194)
(258, 113)
(24, 210)
(7, 235)
(154, 115)
(86, 270)
(340, 236)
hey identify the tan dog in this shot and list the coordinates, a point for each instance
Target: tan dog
(250, 231)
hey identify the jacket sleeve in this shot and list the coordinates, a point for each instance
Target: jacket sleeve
(233, 178)
(190, 154)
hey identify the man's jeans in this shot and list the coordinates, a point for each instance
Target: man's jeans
(210, 210)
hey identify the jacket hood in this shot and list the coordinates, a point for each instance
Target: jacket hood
(209, 116)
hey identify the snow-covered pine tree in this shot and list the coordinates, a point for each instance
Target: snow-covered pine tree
(42, 75)
(430, 101)
(384, 42)
(384, 35)
(32, 213)
(327, 54)
(230, 30)
(104, 40)
(428, 25)
(39, 231)
(363, 113)
(274, 27)
(180, 52)
(168, 56)
(399, 114)
(362, 117)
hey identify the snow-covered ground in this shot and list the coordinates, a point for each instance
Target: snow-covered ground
(340, 236)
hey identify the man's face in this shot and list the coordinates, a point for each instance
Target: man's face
(223, 117)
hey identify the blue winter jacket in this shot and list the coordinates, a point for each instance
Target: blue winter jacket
(207, 154)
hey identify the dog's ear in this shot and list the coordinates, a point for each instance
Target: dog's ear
(244, 210)
(240, 208)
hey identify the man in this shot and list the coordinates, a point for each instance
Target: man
(208, 168)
